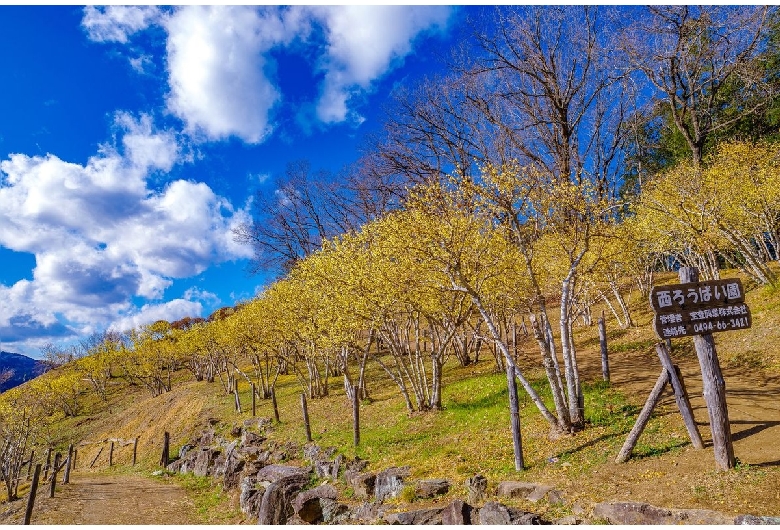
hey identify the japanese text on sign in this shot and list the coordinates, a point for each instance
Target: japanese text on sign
(672, 298)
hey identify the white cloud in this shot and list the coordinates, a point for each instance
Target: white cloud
(364, 42)
(219, 64)
(216, 65)
(170, 311)
(101, 236)
(116, 23)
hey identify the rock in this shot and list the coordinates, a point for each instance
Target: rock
(284, 482)
(204, 461)
(328, 468)
(390, 482)
(175, 466)
(368, 512)
(428, 488)
(569, 519)
(756, 519)
(333, 512)
(233, 467)
(361, 483)
(477, 486)
(497, 513)
(514, 489)
(415, 517)
(274, 472)
(186, 448)
(457, 512)
(555, 497)
(250, 496)
(295, 520)
(308, 504)
(236, 431)
(249, 439)
(642, 513)
(357, 465)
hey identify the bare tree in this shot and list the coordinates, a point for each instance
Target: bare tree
(695, 57)
(303, 210)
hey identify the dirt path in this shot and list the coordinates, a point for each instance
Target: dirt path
(111, 499)
(687, 478)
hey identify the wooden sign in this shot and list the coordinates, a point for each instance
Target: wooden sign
(683, 310)
(692, 296)
(707, 320)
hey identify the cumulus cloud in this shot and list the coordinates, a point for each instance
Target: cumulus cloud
(101, 236)
(216, 67)
(220, 68)
(116, 23)
(170, 311)
(364, 42)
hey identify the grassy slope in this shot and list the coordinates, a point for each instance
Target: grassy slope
(471, 435)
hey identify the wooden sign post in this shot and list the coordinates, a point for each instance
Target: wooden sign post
(697, 309)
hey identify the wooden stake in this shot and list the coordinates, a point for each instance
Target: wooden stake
(164, 460)
(75, 457)
(135, 448)
(306, 416)
(48, 464)
(273, 401)
(66, 476)
(714, 388)
(54, 475)
(680, 395)
(643, 417)
(254, 392)
(355, 417)
(603, 343)
(29, 464)
(31, 497)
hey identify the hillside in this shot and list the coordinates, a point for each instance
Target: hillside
(471, 434)
(24, 368)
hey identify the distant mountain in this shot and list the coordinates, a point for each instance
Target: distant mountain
(23, 367)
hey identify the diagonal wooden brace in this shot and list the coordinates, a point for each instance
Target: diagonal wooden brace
(680, 395)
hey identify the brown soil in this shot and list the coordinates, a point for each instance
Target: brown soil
(108, 499)
(685, 477)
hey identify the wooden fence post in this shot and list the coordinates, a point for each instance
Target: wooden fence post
(273, 401)
(603, 343)
(253, 399)
(714, 388)
(31, 497)
(111, 455)
(355, 416)
(135, 449)
(306, 416)
(54, 470)
(29, 464)
(66, 477)
(166, 446)
(48, 464)
(643, 417)
(75, 457)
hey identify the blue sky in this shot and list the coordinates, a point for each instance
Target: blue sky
(132, 140)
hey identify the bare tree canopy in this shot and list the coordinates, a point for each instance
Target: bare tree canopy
(704, 62)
